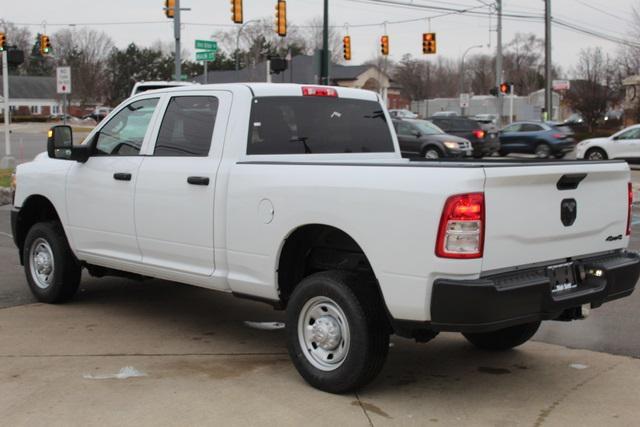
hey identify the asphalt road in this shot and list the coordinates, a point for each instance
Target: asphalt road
(612, 328)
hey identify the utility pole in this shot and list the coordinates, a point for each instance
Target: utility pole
(499, 98)
(7, 160)
(548, 100)
(176, 32)
(324, 67)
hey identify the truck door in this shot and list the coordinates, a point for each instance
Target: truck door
(176, 183)
(100, 191)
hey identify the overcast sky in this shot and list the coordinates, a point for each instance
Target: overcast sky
(455, 33)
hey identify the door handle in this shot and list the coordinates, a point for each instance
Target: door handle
(122, 176)
(198, 180)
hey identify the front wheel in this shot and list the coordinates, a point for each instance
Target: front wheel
(337, 335)
(595, 154)
(53, 272)
(432, 153)
(503, 339)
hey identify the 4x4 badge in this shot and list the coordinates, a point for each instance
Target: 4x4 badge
(568, 211)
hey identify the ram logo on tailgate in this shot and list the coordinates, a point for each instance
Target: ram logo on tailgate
(568, 211)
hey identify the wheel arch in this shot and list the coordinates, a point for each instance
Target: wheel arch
(597, 148)
(35, 208)
(315, 247)
(431, 144)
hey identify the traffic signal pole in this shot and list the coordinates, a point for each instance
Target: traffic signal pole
(324, 67)
(5, 94)
(176, 32)
(548, 104)
(499, 98)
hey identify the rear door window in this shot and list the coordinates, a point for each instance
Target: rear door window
(314, 125)
(187, 126)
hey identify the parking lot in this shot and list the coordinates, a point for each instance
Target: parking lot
(155, 352)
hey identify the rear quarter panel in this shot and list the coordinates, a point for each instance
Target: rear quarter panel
(392, 212)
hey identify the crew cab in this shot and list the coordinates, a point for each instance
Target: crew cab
(298, 196)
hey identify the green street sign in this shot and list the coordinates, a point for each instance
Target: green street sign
(205, 56)
(183, 77)
(207, 45)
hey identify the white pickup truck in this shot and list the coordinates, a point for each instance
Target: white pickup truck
(298, 196)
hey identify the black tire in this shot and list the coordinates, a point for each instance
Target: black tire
(559, 155)
(595, 154)
(368, 330)
(431, 152)
(542, 150)
(503, 339)
(478, 155)
(503, 153)
(64, 279)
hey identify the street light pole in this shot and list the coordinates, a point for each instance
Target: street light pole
(548, 104)
(462, 71)
(499, 62)
(324, 71)
(238, 42)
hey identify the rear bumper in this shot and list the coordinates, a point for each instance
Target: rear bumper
(486, 146)
(564, 146)
(499, 301)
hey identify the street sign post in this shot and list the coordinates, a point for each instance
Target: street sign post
(210, 48)
(206, 56)
(207, 45)
(63, 83)
(464, 102)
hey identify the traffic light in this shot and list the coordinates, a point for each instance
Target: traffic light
(346, 48)
(429, 43)
(505, 88)
(236, 11)
(384, 45)
(45, 45)
(281, 18)
(3, 42)
(169, 8)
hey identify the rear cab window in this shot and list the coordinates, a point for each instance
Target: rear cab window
(317, 125)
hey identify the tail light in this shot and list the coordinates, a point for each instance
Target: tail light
(629, 207)
(559, 135)
(319, 91)
(479, 134)
(461, 231)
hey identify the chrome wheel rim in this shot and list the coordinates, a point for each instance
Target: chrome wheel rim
(596, 155)
(41, 263)
(431, 154)
(323, 333)
(542, 151)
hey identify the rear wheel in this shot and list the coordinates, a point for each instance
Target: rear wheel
(337, 335)
(432, 153)
(543, 151)
(504, 339)
(595, 154)
(53, 272)
(559, 155)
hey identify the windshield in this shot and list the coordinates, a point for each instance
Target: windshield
(312, 125)
(426, 128)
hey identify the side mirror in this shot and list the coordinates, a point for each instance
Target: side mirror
(417, 133)
(60, 145)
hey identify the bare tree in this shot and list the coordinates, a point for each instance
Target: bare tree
(21, 37)
(86, 51)
(312, 34)
(591, 92)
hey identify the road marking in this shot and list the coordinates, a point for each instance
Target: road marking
(6, 234)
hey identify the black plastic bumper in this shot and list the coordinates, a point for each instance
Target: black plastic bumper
(507, 299)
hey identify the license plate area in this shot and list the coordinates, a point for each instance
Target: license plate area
(562, 278)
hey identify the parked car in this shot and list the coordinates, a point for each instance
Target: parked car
(485, 118)
(402, 114)
(445, 114)
(99, 113)
(544, 139)
(621, 145)
(421, 138)
(140, 87)
(485, 141)
(298, 196)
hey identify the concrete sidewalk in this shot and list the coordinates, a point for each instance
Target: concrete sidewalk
(203, 366)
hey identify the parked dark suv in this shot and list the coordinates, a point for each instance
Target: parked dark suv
(485, 142)
(421, 138)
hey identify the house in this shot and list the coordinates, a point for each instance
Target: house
(631, 103)
(304, 69)
(32, 96)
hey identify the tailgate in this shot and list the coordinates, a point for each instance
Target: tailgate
(524, 208)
